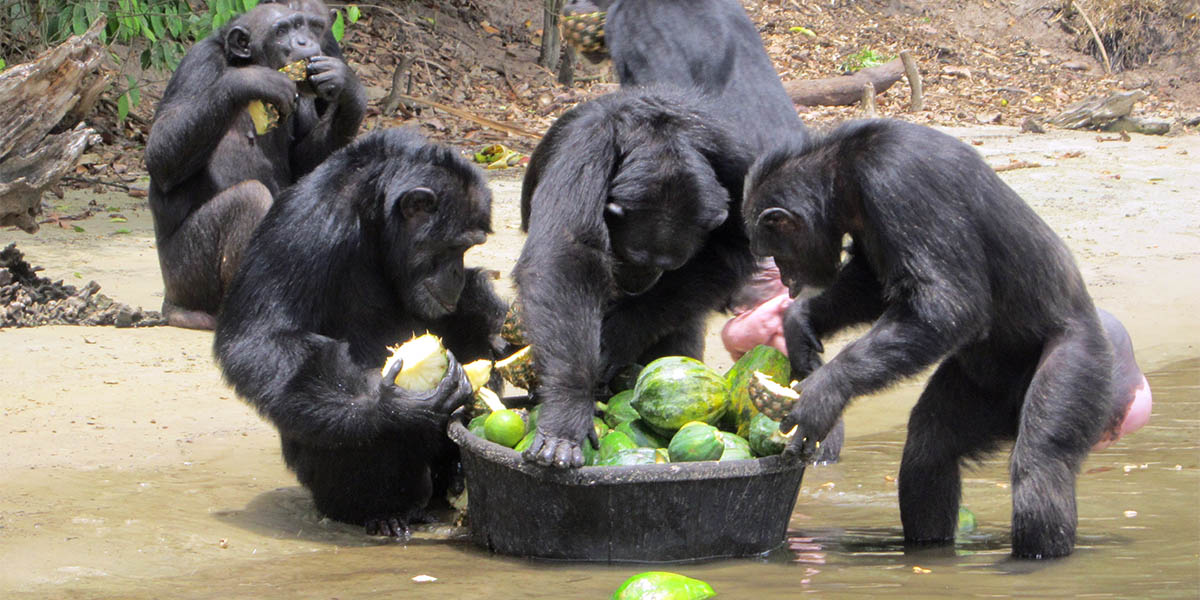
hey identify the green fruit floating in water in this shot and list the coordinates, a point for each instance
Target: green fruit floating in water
(504, 427)
(663, 585)
(696, 441)
(770, 397)
(674, 390)
(766, 359)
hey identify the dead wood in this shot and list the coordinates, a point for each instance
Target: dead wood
(847, 89)
(41, 133)
(1097, 111)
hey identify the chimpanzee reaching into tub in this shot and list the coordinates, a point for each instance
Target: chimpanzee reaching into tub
(952, 268)
(212, 175)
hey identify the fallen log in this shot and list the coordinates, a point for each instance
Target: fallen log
(844, 90)
(41, 133)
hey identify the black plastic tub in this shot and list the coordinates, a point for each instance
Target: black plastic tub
(671, 512)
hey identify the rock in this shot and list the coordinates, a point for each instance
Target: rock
(1139, 125)
(1097, 111)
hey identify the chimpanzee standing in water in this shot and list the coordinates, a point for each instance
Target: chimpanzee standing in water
(212, 176)
(952, 267)
(635, 236)
(364, 252)
(709, 45)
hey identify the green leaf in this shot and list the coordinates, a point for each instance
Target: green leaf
(118, 220)
(352, 13)
(339, 27)
(123, 107)
(122, 231)
(77, 228)
(78, 20)
(2, 64)
(78, 275)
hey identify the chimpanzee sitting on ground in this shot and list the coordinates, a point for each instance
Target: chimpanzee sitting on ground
(709, 45)
(364, 252)
(212, 176)
(953, 268)
(635, 236)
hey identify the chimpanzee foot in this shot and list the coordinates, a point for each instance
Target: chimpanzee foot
(392, 526)
(177, 316)
(555, 452)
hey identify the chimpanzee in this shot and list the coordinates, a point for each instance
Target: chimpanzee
(710, 45)
(212, 176)
(364, 252)
(630, 203)
(952, 267)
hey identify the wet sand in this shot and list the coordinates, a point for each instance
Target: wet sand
(129, 468)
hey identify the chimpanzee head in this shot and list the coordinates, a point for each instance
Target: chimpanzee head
(790, 214)
(663, 202)
(436, 207)
(273, 35)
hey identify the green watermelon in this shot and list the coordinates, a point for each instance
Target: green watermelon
(619, 409)
(525, 442)
(631, 456)
(642, 434)
(736, 447)
(696, 441)
(766, 359)
(613, 443)
(663, 585)
(674, 390)
(765, 437)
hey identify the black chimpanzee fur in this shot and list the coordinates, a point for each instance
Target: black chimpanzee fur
(212, 177)
(710, 45)
(635, 236)
(364, 252)
(952, 267)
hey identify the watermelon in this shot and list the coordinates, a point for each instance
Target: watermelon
(613, 443)
(696, 441)
(736, 447)
(630, 456)
(765, 437)
(674, 390)
(766, 359)
(525, 442)
(642, 434)
(663, 585)
(619, 409)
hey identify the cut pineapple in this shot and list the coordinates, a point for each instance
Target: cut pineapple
(264, 114)
(424, 363)
(518, 369)
(478, 373)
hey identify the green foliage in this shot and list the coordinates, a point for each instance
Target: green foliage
(164, 29)
(864, 59)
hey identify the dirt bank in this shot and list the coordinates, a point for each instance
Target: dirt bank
(124, 447)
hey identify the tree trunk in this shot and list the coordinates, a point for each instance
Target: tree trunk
(551, 36)
(41, 134)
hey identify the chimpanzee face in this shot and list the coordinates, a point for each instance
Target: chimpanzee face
(661, 209)
(274, 35)
(438, 224)
(786, 218)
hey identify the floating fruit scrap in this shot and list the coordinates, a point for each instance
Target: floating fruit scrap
(264, 114)
(663, 585)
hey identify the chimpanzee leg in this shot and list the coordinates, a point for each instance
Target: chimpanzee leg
(953, 419)
(198, 262)
(1064, 410)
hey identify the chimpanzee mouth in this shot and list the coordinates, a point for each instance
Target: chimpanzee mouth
(635, 279)
(448, 306)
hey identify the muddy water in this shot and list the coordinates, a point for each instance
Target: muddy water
(219, 529)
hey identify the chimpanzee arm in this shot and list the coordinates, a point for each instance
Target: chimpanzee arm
(338, 111)
(855, 297)
(205, 91)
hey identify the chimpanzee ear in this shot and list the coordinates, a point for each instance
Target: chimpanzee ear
(419, 201)
(237, 42)
(715, 218)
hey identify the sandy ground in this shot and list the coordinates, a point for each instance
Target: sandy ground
(94, 419)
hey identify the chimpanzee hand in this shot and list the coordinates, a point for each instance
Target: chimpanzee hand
(563, 427)
(812, 417)
(804, 347)
(433, 406)
(328, 75)
(256, 82)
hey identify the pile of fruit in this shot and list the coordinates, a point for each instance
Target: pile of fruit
(676, 409)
